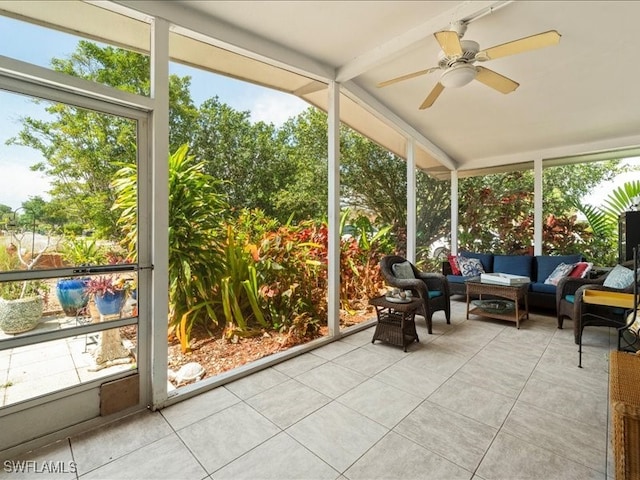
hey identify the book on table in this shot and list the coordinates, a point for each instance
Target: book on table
(504, 279)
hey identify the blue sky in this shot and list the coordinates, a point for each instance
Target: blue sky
(20, 183)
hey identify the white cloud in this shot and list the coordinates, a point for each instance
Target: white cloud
(275, 107)
(18, 183)
(600, 193)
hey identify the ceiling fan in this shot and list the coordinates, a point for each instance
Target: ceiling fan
(458, 57)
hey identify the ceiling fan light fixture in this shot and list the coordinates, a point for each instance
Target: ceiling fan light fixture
(458, 75)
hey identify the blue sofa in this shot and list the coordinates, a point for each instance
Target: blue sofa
(537, 268)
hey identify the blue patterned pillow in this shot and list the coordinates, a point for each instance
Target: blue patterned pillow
(470, 267)
(619, 277)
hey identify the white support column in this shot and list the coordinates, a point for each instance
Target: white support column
(411, 201)
(454, 212)
(537, 206)
(333, 292)
(159, 208)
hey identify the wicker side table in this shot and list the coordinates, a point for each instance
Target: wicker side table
(624, 398)
(396, 321)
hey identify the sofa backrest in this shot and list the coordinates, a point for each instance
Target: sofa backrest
(486, 259)
(513, 264)
(545, 265)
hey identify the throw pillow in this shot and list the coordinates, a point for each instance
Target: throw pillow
(470, 267)
(581, 270)
(620, 277)
(453, 261)
(559, 272)
(403, 270)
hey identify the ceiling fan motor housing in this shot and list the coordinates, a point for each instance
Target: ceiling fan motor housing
(469, 51)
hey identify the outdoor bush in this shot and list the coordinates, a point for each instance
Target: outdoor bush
(82, 251)
(360, 251)
(238, 293)
(197, 211)
(292, 271)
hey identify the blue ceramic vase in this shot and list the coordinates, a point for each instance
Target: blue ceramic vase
(71, 295)
(111, 303)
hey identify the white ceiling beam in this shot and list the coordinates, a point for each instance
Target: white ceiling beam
(383, 113)
(610, 144)
(236, 40)
(466, 11)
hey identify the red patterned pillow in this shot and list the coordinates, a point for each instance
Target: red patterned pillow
(453, 261)
(581, 270)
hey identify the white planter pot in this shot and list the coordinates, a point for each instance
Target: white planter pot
(22, 315)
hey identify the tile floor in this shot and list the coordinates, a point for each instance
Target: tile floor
(68, 362)
(477, 400)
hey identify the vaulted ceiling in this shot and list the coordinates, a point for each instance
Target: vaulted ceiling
(579, 97)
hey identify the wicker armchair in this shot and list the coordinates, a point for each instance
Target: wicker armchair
(432, 288)
(569, 303)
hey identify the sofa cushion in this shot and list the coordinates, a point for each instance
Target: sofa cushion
(540, 287)
(403, 270)
(546, 264)
(470, 267)
(513, 264)
(485, 258)
(456, 279)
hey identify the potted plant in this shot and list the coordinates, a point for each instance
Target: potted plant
(109, 294)
(21, 303)
(71, 292)
(72, 295)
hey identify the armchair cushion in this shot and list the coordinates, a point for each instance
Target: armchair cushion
(619, 277)
(403, 270)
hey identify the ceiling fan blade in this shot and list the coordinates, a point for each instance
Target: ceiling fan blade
(541, 40)
(407, 76)
(495, 80)
(433, 96)
(449, 42)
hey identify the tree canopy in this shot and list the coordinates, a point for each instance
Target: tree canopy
(281, 171)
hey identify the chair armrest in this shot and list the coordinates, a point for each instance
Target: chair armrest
(569, 285)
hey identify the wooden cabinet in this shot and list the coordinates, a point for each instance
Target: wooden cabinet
(628, 235)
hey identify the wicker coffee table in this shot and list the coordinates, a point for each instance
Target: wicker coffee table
(515, 293)
(396, 321)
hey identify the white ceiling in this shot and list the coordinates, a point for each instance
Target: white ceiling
(578, 97)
